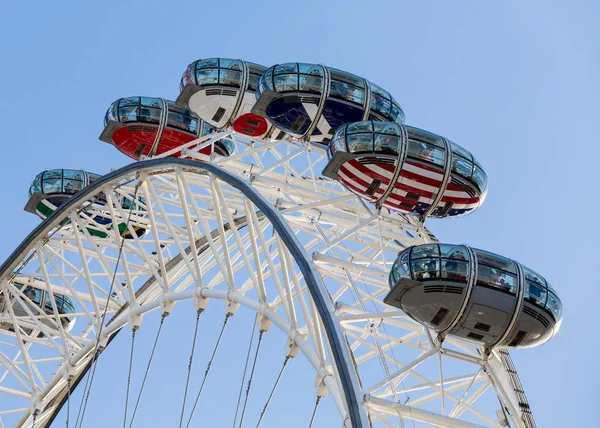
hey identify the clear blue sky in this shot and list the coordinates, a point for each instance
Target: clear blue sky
(514, 82)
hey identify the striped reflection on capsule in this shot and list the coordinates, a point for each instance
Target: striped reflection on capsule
(476, 295)
(406, 169)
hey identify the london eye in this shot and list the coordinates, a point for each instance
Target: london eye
(295, 196)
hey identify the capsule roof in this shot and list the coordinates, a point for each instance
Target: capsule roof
(61, 181)
(149, 110)
(221, 72)
(308, 78)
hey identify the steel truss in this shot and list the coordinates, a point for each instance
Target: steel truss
(261, 229)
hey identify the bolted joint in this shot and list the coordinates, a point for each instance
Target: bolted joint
(102, 342)
(231, 307)
(166, 306)
(200, 302)
(265, 324)
(36, 405)
(293, 349)
(135, 320)
(322, 390)
(68, 371)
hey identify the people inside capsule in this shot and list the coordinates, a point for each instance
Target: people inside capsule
(222, 91)
(152, 126)
(406, 169)
(298, 99)
(52, 188)
(35, 297)
(474, 294)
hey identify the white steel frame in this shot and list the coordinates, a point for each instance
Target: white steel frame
(374, 360)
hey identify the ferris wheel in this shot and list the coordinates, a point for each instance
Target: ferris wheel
(293, 193)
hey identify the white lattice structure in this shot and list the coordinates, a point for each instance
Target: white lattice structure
(262, 230)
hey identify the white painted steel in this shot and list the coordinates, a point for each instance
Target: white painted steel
(404, 370)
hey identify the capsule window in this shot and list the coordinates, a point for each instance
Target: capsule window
(128, 114)
(387, 144)
(480, 178)
(57, 299)
(52, 186)
(338, 144)
(396, 113)
(459, 151)
(53, 173)
(386, 128)
(458, 252)
(228, 145)
(551, 288)
(266, 82)
(188, 76)
(422, 251)
(36, 186)
(346, 92)
(455, 270)
(346, 77)
(310, 84)
(207, 76)
(129, 101)
(403, 256)
(380, 104)
(208, 62)
(426, 152)
(366, 126)
(360, 143)
(33, 294)
(73, 174)
(150, 115)
(230, 63)
(399, 271)
(67, 307)
(496, 278)
(151, 102)
(72, 186)
(554, 305)
(425, 269)
(534, 277)
(112, 113)
(535, 293)
(286, 68)
(230, 77)
(176, 120)
(286, 82)
(461, 166)
(495, 261)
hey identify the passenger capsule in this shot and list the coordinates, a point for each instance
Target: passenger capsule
(50, 189)
(152, 126)
(33, 296)
(406, 169)
(310, 101)
(222, 91)
(473, 294)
